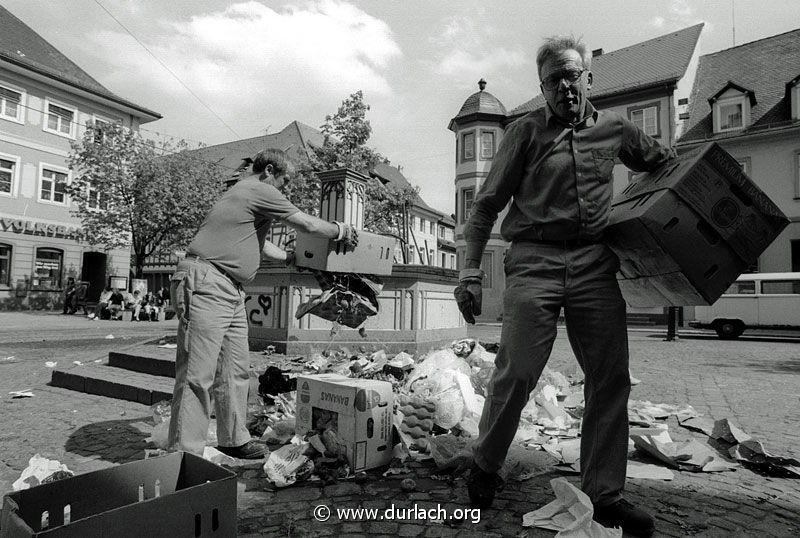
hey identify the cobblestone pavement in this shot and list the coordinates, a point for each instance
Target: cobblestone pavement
(754, 383)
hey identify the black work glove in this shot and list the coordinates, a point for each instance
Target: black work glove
(469, 295)
(349, 239)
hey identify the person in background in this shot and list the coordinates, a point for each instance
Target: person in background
(102, 303)
(150, 306)
(134, 303)
(116, 303)
(69, 297)
(213, 356)
(554, 171)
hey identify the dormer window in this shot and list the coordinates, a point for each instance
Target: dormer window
(793, 94)
(730, 115)
(731, 108)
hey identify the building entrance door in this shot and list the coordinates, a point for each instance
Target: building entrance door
(94, 272)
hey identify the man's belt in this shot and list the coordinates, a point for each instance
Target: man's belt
(215, 266)
(564, 243)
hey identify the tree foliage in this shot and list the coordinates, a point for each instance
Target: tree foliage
(127, 191)
(345, 137)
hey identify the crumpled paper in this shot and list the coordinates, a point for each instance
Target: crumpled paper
(38, 471)
(570, 514)
(289, 464)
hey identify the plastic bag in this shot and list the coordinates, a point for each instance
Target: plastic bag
(39, 469)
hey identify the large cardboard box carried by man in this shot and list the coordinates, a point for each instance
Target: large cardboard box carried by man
(358, 411)
(685, 232)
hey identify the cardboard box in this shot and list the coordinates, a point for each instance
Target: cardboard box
(373, 255)
(358, 410)
(173, 496)
(686, 232)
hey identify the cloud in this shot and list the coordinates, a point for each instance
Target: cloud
(468, 50)
(679, 14)
(247, 57)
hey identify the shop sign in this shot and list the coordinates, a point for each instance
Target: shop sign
(29, 227)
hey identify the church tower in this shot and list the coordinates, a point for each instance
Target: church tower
(478, 127)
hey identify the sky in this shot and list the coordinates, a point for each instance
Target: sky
(219, 70)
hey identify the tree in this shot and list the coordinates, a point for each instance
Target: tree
(345, 136)
(129, 192)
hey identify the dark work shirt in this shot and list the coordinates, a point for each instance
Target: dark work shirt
(560, 187)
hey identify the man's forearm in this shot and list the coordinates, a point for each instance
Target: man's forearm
(273, 252)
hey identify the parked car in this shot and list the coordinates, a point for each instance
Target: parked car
(755, 300)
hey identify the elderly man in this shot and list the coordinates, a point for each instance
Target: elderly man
(213, 353)
(555, 168)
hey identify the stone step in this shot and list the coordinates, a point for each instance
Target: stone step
(114, 382)
(161, 364)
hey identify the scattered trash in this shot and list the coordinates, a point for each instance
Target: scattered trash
(21, 394)
(724, 430)
(688, 456)
(41, 470)
(648, 471)
(567, 453)
(78, 363)
(523, 463)
(751, 454)
(347, 299)
(570, 514)
(167, 346)
(279, 433)
(110, 337)
(451, 453)
(9, 359)
(289, 464)
(51, 364)
(215, 456)
(273, 382)
(408, 485)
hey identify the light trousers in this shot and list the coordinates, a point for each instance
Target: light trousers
(540, 280)
(212, 357)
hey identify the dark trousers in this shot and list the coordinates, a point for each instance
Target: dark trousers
(540, 280)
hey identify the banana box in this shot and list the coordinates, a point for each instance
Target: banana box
(358, 411)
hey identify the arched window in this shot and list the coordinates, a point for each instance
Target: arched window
(47, 270)
(5, 264)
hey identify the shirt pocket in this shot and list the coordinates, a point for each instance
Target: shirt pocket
(604, 160)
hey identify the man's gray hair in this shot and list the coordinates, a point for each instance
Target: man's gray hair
(555, 45)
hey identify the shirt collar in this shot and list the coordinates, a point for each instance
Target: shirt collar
(589, 119)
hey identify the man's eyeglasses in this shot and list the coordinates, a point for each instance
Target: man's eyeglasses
(554, 81)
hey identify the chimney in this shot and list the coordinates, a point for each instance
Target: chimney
(597, 52)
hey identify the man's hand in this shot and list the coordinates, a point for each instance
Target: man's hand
(348, 236)
(469, 294)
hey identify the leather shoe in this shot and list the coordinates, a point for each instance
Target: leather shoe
(623, 514)
(482, 486)
(248, 451)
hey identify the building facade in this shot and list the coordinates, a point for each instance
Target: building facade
(46, 101)
(428, 238)
(747, 99)
(649, 83)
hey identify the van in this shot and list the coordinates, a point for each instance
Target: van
(754, 300)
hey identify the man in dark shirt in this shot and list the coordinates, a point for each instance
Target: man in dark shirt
(554, 169)
(213, 355)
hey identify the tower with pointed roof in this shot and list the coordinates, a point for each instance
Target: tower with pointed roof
(478, 129)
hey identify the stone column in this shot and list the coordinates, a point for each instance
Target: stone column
(343, 194)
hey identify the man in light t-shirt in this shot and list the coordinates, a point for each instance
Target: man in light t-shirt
(206, 289)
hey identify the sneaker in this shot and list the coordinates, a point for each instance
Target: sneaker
(624, 514)
(248, 451)
(482, 486)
